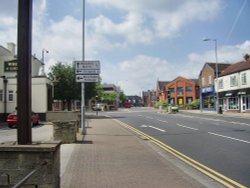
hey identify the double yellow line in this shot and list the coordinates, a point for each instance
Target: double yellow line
(200, 167)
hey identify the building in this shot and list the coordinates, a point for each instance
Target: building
(149, 98)
(182, 91)
(41, 86)
(112, 88)
(135, 100)
(234, 87)
(207, 77)
(161, 90)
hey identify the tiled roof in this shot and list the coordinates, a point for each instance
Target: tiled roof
(237, 67)
(221, 66)
(162, 84)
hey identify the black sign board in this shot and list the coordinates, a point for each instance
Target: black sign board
(10, 66)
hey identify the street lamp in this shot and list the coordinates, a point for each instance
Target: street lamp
(41, 71)
(216, 70)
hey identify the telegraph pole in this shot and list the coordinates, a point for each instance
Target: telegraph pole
(24, 46)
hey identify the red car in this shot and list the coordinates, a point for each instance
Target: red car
(12, 119)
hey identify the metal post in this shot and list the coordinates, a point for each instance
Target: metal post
(82, 85)
(24, 71)
(216, 70)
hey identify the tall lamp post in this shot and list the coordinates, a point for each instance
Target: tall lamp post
(216, 71)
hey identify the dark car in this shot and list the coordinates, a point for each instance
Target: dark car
(12, 119)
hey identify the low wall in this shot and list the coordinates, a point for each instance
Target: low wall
(16, 161)
(65, 131)
(62, 116)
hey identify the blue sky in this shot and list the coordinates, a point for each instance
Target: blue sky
(136, 41)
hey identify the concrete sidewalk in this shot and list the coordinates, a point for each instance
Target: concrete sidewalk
(112, 157)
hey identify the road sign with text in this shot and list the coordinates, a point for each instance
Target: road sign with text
(87, 65)
(87, 78)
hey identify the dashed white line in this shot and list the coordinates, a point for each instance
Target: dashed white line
(157, 128)
(187, 127)
(161, 120)
(229, 137)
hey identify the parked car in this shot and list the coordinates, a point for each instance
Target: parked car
(12, 119)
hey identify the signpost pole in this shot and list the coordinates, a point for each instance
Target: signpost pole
(82, 85)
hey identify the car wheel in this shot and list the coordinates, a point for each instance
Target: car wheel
(10, 126)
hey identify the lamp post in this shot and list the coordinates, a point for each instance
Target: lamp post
(42, 71)
(46, 51)
(216, 71)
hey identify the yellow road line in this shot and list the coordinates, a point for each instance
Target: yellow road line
(195, 164)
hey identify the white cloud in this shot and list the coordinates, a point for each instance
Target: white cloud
(166, 17)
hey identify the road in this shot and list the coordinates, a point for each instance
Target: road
(40, 133)
(218, 142)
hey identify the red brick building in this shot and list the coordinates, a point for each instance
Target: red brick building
(182, 91)
(161, 90)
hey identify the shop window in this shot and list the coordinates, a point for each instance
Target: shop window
(1, 95)
(244, 78)
(233, 81)
(233, 103)
(189, 100)
(10, 96)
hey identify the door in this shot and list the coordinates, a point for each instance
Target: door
(243, 103)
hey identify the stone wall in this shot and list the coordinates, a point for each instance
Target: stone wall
(65, 131)
(16, 161)
(62, 116)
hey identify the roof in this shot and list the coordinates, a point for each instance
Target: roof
(237, 67)
(162, 84)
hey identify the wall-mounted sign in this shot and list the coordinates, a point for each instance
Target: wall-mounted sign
(10, 66)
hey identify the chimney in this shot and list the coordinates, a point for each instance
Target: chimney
(246, 57)
(11, 47)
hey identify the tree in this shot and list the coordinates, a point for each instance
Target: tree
(66, 88)
(110, 97)
(122, 97)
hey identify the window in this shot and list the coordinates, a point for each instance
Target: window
(171, 90)
(1, 95)
(244, 78)
(189, 100)
(220, 84)
(233, 81)
(210, 80)
(203, 81)
(10, 96)
(233, 103)
(180, 91)
(189, 88)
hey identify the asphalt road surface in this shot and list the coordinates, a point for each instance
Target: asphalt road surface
(220, 143)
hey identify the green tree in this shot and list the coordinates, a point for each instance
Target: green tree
(109, 98)
(66, 88)
(122, 97)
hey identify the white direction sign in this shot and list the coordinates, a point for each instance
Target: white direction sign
(88, 71)
(87, 78)
(87, 65)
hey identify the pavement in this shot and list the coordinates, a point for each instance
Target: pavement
(111, 156)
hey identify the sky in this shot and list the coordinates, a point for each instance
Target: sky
(136, 41)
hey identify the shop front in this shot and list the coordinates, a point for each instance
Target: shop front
(207, 98)
(235, 100)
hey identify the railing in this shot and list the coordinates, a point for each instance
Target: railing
(22, 181)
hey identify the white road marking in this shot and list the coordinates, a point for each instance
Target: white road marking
(157, 128)
(229, 137)
(162, 121)
(187, 127)
(153, 127)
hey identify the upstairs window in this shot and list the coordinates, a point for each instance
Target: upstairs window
(210, 80)
(233, 81)
(171, 90)
(203, 81)
(220, 84)
(189, 88)
(243, 78)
